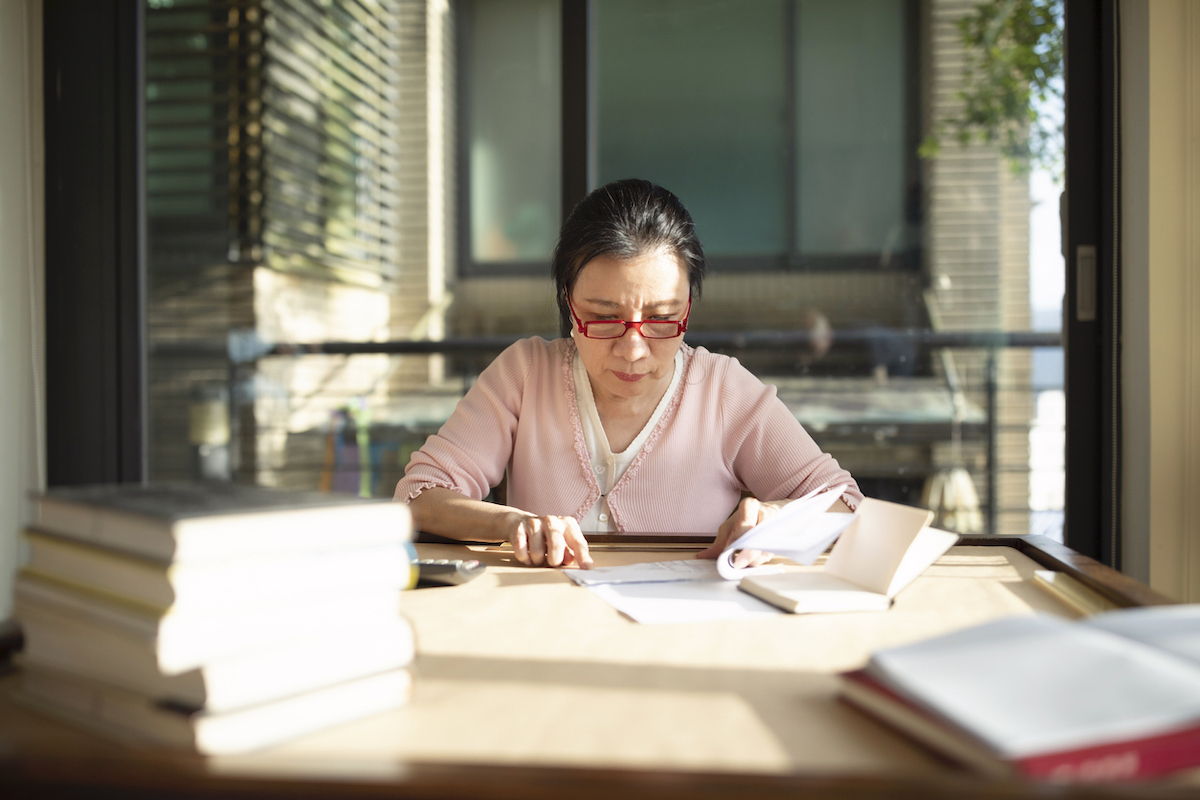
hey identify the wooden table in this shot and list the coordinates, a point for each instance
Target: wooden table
(529, 686)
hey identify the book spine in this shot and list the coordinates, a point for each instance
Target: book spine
(934, 733)
(1142, 758)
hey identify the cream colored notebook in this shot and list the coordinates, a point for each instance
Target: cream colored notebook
(886, 547)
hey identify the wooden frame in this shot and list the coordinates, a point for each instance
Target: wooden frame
(1122, 590)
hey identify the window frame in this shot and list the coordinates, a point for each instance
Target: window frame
(93, 102)
(1091, 342)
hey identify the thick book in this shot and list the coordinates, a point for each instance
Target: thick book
(185, 522)
(133, 717)
(67, 643)
(882, 551)
(183, 640)
(220, 584)
(1115, 696)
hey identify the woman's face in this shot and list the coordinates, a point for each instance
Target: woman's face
(651, 285)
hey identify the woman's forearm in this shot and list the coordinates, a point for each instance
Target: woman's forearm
(447, 513)
(546, 540)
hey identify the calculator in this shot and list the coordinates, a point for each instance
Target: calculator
(447, 571)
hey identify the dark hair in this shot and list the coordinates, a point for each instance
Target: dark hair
(623, 219)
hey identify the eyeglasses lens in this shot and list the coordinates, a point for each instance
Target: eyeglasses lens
(650, 330)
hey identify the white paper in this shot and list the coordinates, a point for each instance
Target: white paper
(692, 601)
(930, 545)
(1175, 629)
(870, 554)
(695, 569)
(801, 531)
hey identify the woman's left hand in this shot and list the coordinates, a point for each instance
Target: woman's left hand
(750, 512)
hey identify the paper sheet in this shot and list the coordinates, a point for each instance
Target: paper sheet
(649, 572)
(871, 553)
(801, 531)
(676, 602)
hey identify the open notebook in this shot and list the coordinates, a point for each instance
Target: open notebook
(800, 531)
(883, 550)
(884, 546)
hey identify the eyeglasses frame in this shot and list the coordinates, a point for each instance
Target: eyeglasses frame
(581, 326)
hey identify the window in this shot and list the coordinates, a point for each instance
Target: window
(782, 124)
(901, 339)
(511, 76)
(789, 128)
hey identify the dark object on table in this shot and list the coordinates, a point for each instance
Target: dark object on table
(11, 641)
(447, 571)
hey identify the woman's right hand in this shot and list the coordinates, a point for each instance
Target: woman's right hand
(548, 541)
(536, 541)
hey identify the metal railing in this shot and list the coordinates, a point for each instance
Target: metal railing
(242, 351)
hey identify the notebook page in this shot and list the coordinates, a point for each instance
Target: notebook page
(928, 547)
(1172, 628)
(871, 550)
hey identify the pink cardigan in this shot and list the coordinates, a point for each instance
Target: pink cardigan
(723, 432)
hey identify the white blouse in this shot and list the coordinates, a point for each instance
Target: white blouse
(610, 466)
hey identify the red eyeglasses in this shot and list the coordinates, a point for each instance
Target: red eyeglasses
(648, 328)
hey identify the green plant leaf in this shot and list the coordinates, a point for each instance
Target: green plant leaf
(1014, 58)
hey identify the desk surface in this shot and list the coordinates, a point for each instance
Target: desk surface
(528, 685)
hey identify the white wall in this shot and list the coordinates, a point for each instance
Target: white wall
(1160, 79)
(21, 257)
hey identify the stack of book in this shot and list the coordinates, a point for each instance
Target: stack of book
(218, 617)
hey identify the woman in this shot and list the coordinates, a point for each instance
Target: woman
(619, 425)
